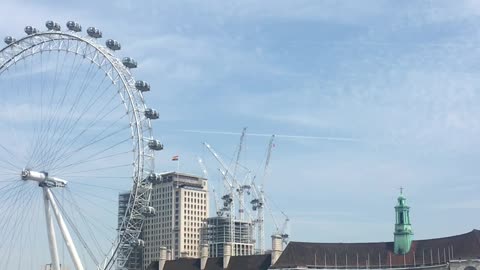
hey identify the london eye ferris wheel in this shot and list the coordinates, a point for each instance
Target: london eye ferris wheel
(74, 132)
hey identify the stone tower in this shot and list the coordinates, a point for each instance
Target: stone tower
(403, 234)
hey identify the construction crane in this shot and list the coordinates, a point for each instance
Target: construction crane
(205, 174)
(228, 202)
(240, 145)
(283, 231)
(258, 203)
(241, 188)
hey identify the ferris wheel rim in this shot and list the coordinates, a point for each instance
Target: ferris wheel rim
(135, 97)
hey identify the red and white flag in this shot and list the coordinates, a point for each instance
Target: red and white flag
(175, 158)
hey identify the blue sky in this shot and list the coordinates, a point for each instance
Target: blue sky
(399, 78)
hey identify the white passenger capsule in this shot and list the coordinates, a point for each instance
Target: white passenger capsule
(151, 113)
(148, 211)
(153, 178)
(74, 26)
(53, 26)
(113, 45)
(129, 62)
(155, 145)
(143, 189)
(150, 177)
(30, 30)
(138, 243)
(9, 40)
(94, 32)
(142, 86)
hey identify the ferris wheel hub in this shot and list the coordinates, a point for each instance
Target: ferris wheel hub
(42, 178)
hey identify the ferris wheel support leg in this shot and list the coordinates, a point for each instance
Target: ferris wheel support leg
(66, 234)
(51, 233)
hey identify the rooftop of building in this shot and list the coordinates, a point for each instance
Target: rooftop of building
(184, 180)
(380, 254)
(226, 220)
(252, 262)
(174, 173)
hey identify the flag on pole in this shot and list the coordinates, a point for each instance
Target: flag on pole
(175, 158)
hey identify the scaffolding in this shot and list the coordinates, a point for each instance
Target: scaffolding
(216, 232)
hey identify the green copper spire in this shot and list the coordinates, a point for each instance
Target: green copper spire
(403, 234)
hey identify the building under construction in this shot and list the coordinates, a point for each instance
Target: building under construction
(217, 231)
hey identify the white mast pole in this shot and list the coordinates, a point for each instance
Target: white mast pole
(261, 229)
(66, 234)
(51, 233)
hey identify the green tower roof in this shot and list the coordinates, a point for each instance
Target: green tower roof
(403, 234)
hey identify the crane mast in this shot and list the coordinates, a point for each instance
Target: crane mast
(258, 204)
(215, 196)
(240, 188)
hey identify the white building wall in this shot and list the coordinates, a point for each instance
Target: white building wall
(180, 206)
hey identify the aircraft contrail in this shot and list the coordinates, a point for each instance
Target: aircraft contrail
(344, 139)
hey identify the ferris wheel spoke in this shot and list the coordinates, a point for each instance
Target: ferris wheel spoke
(39, 140)
(34, 235)
(7, 188)
(12, 227)
(51, 118)
(12, 132)
(96, 177)
(7, 176)
(87, 224)
(66, 152)
(10, 166)
(69, 130)
(91, 223)
(101, 168)
(93, 142)
(25, 227)
(61, 125)
(73, 226)
(94, 157)
(88, 200)
(96, 186)
(91, 195)
(66, 142)
(29, 85)
(61, 156)
(10, 157)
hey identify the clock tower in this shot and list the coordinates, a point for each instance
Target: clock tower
(403, 234)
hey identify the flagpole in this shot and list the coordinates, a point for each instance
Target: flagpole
(178, 165)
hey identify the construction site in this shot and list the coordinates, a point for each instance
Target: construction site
(240, 206)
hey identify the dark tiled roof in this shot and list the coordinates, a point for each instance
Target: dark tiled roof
(374, 255)
(212, 264)
(253, 262)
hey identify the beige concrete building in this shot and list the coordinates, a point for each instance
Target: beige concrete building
(181, 204)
